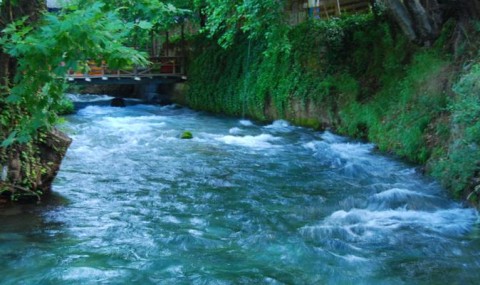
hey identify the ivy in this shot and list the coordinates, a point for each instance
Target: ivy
(360, 77)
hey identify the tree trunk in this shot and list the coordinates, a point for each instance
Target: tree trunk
(11, 10)
(402, 17)
(465, 9)
(425, 23)
(27, 170)
(421, 21)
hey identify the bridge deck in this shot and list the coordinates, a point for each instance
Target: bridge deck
(162, 69)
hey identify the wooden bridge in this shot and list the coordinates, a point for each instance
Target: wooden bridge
(301, 10)
(329, 8)
(164, 69)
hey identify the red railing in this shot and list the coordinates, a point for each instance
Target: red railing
(160, 66)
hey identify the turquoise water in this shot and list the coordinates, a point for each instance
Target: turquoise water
(241, 203)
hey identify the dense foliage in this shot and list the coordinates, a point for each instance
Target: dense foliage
(462, 161)
(319, 55)
(38, 50)
(257, 19)
(58, 42)
(360, 76)
(64, 42)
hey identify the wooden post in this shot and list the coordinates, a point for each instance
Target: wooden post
(167, 43)
(295, 10)
(325, 9)
(338, 8)
(153, 46)
(184, 53)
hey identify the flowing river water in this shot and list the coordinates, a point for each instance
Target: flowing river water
(240, 203)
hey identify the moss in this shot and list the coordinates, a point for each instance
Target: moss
(308, 123)
(186, 135)
(363, 79)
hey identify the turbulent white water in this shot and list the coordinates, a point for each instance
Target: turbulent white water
(240, 203)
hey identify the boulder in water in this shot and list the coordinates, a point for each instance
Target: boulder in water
(52, 150)
(28, 170)
(186, 135)
(117, 102)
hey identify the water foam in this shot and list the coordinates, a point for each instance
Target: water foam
(399, 194)
(261, 141)
(132, 124)
(98, 111)
(356, 151)
(246, 123)
(330, 137)
(349, 156)
(235, 131)
(280, 126)
(363, 225)
(85, 98)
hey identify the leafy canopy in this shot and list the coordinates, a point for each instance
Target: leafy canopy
(146, 14)
(256, 18)
(61, 42)
(103, 30)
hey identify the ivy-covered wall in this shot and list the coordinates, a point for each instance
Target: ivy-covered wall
(362, 78)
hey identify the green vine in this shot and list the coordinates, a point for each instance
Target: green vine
(360, 76)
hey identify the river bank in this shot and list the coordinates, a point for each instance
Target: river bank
(364, 82)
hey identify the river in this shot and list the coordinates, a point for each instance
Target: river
(240, 203)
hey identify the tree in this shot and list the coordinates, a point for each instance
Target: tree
(422, 20)
(10, 158)
(44, 55)
(148, 16)
(11, 11)
(38, 49)
(254, 18)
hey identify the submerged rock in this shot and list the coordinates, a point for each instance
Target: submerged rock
(117, 102)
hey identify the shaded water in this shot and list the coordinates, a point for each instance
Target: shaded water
(239, 204)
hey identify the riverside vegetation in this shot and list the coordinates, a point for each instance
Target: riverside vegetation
(366, 76)
(360, 76)
(38, 48)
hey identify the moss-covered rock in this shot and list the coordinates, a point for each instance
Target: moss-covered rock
(186, 135)
(28, 170)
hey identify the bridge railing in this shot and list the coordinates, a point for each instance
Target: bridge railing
(160, 66)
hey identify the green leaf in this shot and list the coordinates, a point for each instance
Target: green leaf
(145, 25)
(9, 141)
